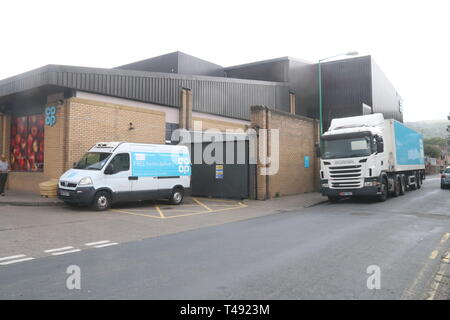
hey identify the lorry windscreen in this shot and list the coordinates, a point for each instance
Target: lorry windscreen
(346, 147)
(93, 161)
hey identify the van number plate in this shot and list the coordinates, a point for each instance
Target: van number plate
(345, 193)
(64, 193)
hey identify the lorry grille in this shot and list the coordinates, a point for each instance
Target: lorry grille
(345, 177)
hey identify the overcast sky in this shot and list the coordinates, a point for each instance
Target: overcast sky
(408, 39)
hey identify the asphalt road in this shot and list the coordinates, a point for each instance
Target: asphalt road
(321, 252)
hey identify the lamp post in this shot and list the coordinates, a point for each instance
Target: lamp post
(319, 76)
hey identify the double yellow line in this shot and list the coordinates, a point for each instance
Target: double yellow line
(445, 259)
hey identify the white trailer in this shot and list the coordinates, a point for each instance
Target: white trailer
(370, 156)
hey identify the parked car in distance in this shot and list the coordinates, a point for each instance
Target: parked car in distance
(445, 178)
(113, 172)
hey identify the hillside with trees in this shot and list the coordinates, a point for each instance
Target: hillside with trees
(430, 128)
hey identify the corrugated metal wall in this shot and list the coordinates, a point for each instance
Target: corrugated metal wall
(221, 96)
(346, 85)
(385, 98)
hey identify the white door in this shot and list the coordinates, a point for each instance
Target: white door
(117, 176)
(144, 179)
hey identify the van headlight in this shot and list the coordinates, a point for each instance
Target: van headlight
(85, 181)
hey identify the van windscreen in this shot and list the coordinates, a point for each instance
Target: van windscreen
(93, 161)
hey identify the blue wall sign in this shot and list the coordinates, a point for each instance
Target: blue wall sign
(306, 161)
(50, 116)
(155, 164)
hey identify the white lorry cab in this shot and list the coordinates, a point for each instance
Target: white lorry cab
(113, 172)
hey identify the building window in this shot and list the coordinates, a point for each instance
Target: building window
(27, 143)
(170, 128)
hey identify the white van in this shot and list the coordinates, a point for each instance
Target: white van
(113, 172)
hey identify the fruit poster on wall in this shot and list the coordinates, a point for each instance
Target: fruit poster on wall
(27, 143)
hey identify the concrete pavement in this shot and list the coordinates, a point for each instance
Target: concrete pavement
(20, 198)
(321, 252)
(32, 230)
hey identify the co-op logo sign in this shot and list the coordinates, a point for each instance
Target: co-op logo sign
(50, 116)
(184, 165)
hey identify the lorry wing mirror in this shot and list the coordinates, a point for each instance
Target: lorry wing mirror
(380, 146)
(317, 148)
(74, 165)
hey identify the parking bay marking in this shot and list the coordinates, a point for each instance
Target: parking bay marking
(57, 249)
(232, 205)
(55, 252)
(61, 251)
(16, 260)
(202, 204)
(159, 211)
(65, 252)
(106, 245)
(96, 243)
(12, 257)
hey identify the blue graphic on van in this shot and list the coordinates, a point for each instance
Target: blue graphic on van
(408, 145)
(156, 164)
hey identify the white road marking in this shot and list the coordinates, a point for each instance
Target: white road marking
(106, 245)
(57, 249)
(65, 252)
(95, 243)
(16, 261)
(12, 257)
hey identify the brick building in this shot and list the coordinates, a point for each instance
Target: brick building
(49, 117)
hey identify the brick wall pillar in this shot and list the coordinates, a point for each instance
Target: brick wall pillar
(292, 106)
(259, 119)
(185, 112)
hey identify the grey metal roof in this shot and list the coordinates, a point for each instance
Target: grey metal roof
(222, 96)
(255, 63)
(177, 62)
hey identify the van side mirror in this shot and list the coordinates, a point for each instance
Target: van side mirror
(74, 165)
(318, 152)
(109, 169)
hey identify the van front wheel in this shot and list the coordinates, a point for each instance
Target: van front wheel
(102, 201)
(177, 196)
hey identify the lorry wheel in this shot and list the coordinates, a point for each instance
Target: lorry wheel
(397, 187)
(419, 180)
(402, 185)
(102, 201)
(384, 191)
(177, 196)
